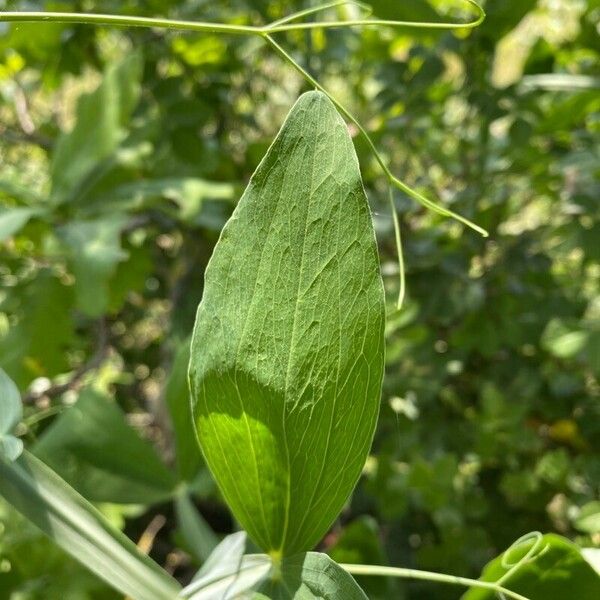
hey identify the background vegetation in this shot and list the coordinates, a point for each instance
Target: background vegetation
(122, 153)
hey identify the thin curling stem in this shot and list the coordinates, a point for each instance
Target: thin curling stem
(430, 576)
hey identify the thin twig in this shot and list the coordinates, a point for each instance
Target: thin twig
(95, 361)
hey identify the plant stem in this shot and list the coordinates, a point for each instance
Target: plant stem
(430, 576)
(278, 26)
(127, 21)
(398, 237)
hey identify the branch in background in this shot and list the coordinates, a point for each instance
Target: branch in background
(17, 136)
(102, 349)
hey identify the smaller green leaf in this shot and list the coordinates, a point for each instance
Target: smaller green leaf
(556, 570)
(228, 573)
(309, 576)
(11, 413)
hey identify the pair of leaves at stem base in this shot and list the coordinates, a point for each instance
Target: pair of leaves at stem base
(75, 525)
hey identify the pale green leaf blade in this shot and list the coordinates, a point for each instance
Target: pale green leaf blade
(231, 580)
(228, 573)
(11, 411)
(10, 447)
(309, 576)
(77, 527)
(230, 549)
(592, 555)
(287, 352)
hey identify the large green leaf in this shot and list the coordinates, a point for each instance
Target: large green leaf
(287, 351)
(555, 572)
(102, 457)
(11, 412)
(77, 527)
(102, 120)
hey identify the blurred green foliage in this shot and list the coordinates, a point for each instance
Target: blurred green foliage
(122, 153)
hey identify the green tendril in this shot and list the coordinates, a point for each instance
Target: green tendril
(534, 552)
